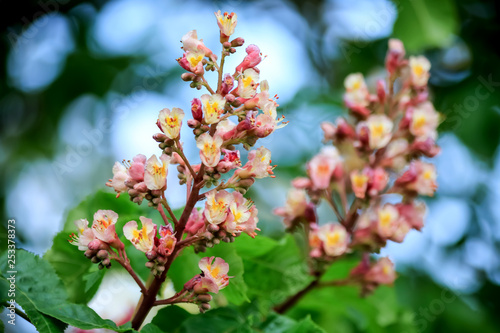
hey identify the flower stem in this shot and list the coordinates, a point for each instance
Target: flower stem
(221, 69)
(169, 210)
(285, 306)
(178, 149)
(18, 312)
(149, 299)
(205, 83)
(128, 268)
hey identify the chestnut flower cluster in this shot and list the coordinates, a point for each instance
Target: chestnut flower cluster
(380, 149)
(239, 110)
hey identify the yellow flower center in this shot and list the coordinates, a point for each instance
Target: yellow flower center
(356, 85)
(419, 121)
(172, 121)
(359, 180)
(194, 60)
(159, 170)
(247, 81)
(333, 239)
(428, 175)
(209, 148)
(418, 70)
(215, 272)
(377, 130)
(385, 218)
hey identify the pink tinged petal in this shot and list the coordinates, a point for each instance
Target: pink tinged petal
(213, 107)
(216, 206)
(120, 175)
(209, 146)
(387, 221)
(226, 22)
(379, 130)
(334, 238)
(322, 167)
(419, 70)
(359, 183)
(209, 285)
(171, 121)
(382, 272)
(251, 60)
(155, 176)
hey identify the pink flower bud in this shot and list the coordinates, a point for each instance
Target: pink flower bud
(188, 77)
(227, 85)
(136, 169)
(251, 60)
(301, 182)
(237, 42)
(329, 130)
(196, 109)
(381, 91)
(426, 147)
(413, 213)
(322, 167)
(195, 222)
(382, 272)
(395, 56)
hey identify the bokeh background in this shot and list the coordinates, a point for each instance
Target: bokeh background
(82, 83)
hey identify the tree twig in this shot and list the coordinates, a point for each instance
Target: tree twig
(18, 312)
(128, 268)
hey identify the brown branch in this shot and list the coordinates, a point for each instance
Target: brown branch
(18, 312)
(188, 241)
(180, 151)
(285, 306)
(205, 83)
(221, 69)
(328, 197)
(148, 301)
(335, 283)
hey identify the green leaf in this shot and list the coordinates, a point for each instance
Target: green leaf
(183, 268)
(151, 328)
(36, 285)
(81, 316)
(306, 326)
(247, 246)
(170, 318)
(218, 320)
(93, 280)
(42, 295)
(71, 266)
(344, 309)
(279, 272)
(425, 24)
(236, 291)
(2, 327)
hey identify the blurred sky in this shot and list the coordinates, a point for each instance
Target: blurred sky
(43, 189)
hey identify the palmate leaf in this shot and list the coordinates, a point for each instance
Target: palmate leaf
(36, 283)
(42, 295)
(174, 319)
